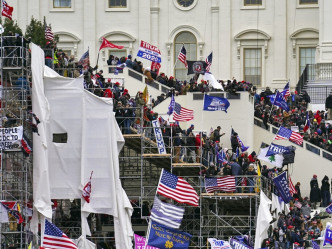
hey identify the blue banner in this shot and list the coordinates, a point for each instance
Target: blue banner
(164, 237)
(281, 102)
(149, 56)
(281, 184)
(277, 149)
(235, 244)
(212, 103)
(328, 237)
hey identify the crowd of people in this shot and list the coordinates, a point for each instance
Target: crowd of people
(299, 226)
(319, 133)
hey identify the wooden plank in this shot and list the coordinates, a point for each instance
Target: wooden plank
(229, 194)
(183, 165)
(131, 135)
(156, 155)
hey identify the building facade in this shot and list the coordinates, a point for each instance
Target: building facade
(266, 42)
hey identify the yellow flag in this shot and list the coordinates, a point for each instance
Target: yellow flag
(30, 245)
(258, 182)
(146, 95)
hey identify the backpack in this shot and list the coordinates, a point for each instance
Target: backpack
(212, 136)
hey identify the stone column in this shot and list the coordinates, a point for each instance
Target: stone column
(225, 38)
(325, 34)
(215, 38)
(280, 43)
(90, 31)
(154, 12)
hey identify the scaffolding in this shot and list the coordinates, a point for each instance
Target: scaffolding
(16, 166)
(219, 215)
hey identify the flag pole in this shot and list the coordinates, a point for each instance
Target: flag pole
(97, 58)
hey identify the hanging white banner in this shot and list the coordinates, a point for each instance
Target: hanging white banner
(159, 136)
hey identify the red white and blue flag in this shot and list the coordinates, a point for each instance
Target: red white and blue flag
(183, 56)
(85, 60)
(292, 189)
(182, 114)
(55, 238)
(208, 61)
(7, 10)
(224, 183)
(284, 133)
(285, 92)
(48, 33)
(307, 123)
(177, 188)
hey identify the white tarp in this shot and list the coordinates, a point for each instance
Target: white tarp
(93, 143)
(264, 218)
(41, 186)
(212, 81)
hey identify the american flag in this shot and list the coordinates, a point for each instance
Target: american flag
(87, 190)
(85, 60)
(284, 133)
(208, 61)
(49, 34)
(177, 189)
(7, 10)
(183, 56)
(55, 238)
(292, 189)
(166, 214)
(225, 183)
(285, 93)
(307, 123)
(182, 114)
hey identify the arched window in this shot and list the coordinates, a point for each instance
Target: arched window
(190, 43)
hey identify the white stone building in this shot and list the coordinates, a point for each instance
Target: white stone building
(267, 42)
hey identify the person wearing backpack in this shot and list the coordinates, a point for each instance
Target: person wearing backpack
(215, 135)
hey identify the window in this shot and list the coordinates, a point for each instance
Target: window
(252, 2)
(253, 65)
(190, 43)
(185, 3)
(308, 1)
(307, 56)
(117, 4)
(60, 137)
(61, 3)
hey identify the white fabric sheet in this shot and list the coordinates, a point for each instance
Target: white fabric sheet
(93, 143)
(212, 81)
(40, 106)
(264, 218)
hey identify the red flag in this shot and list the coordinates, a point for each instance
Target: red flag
(107, 44)
(7, 10)
(155, 66)
(87, 190)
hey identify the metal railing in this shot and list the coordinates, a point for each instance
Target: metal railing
(301, 84)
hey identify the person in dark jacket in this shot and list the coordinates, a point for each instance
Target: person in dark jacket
(325, 191)
(128, 114)
(315, 196)
(234, 142)
(191, 147)
(328, 106)
(313, 181)
(217, 135)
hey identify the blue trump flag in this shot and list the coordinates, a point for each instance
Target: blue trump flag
(281, 184)
(238, 244)
(212, 103)
(329, 209)
(328, 237)
(164, 237)
(281, 102)
(277, 149)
